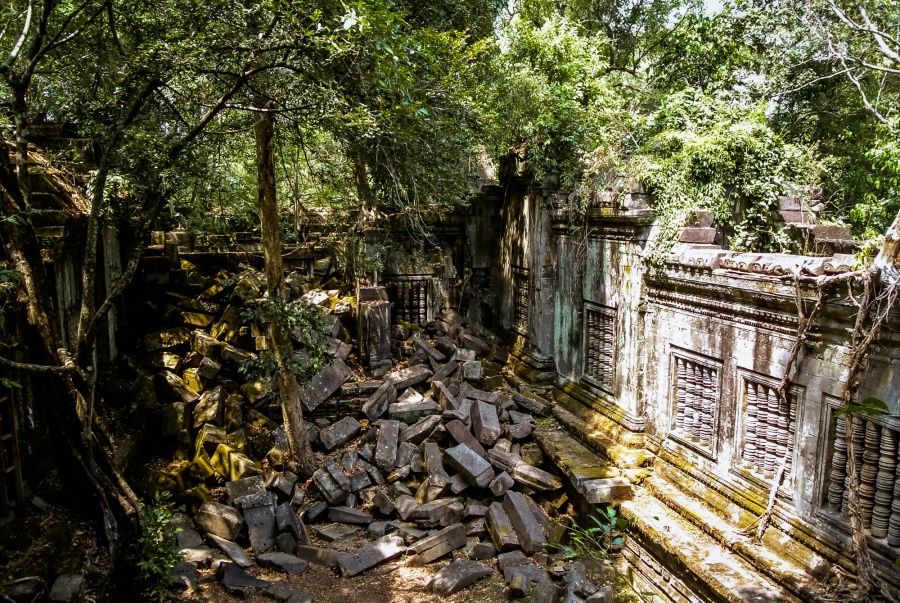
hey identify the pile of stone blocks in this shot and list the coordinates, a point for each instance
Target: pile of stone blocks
(436, 460)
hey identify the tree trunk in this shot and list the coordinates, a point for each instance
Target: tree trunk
(300, 457)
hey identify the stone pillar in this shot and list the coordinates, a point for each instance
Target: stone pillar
(373, 321)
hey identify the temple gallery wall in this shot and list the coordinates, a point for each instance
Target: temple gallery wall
(674, 369)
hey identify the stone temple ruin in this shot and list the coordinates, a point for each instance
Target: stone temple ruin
(650, 389)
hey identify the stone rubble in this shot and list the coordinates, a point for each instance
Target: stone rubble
(434, 459)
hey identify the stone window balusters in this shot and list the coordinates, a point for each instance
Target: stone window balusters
(769, 430)
(696, 395)
(520, 300)
(876, 453)
(600, 342)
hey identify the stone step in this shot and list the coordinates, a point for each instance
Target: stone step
(592, 476)
(577, 418)
(692, 510)
(697, 558)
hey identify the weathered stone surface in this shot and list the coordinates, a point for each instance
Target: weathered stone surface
(317, 509)
(502, 533)
(382, 502)
(372, 554)
(420, 430)
(410, 412)
(349, 515)
(444, 396)
(236, 357)
(378, 403)
(485, 423)
(528, 530)
(175, 419)
(458, 483)
(501, 484)
(286, 543)
(519, 431)
(176, 388)
(329, 487)
(219, 519)
(233, 577)
(67, 588)
(286, 519)
(230, 548)
(288, 564)
(386, 445)
(282, 591)
(336, 531)
(518, 584)
(606, 490)
(603, 595)
(475, 344)
(444, 371)
(546, 592)
(409, 376)
(205, 345)
(534, 477)
(233, 465)
(410, 396)
(405, 506)
(473, 370)
(510, 559)
(339, 433)
(210, 407)
(318, 556)
(474, 468)
(260, 518)
(483, 550)
(324, 383)
(439, 544)
(457, 576)
(460, 432)
(436, 512)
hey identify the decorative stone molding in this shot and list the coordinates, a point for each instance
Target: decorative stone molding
(521, 300)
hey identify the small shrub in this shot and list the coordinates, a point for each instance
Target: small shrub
(157, 548)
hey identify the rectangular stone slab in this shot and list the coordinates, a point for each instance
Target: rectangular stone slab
(325, 383)
(460, 432)
(339, 433)
(536, 478)
(372, 554)
(501, 530)
(378, 403)
(475, 469)
(445, 371)
(409, 376)
(441, 543)
(386, 445)
(485, 423)
(410, 412)
(528, 530)
(349, 515)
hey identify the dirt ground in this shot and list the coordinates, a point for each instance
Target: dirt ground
(379, 585)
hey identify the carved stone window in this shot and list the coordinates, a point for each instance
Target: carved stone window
(412, 301)
(695, 400)
(600, 344)
(769, 427)
(875, 447)
(521, 289)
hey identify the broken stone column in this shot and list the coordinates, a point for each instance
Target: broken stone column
(374, 327)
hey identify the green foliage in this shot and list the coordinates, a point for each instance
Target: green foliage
(156, 550)
(599, 541)
(604, 538)
(871, 407)
(709, 152)
(9, 383)
(299, 319)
